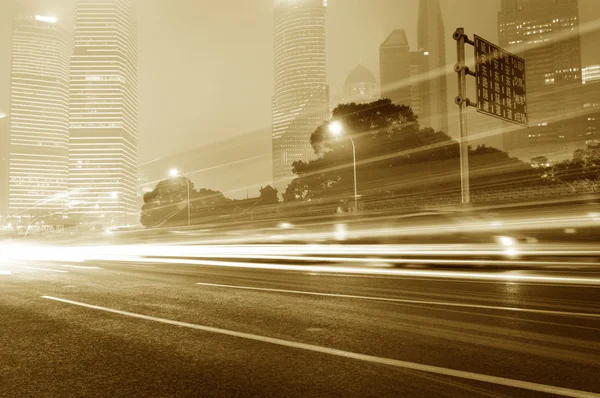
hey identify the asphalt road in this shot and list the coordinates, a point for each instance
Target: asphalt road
(112, 328)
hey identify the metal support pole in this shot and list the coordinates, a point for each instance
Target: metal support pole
(463, 103)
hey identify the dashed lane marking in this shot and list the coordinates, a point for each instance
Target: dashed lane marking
(526, 385)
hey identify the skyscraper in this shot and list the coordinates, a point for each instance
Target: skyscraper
(404, 77)
(361, 86)
(546, 34)
(39, 117)
(301, 99)
(103, 112)
(431, 40)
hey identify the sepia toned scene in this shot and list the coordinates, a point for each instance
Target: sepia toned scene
(299, 198)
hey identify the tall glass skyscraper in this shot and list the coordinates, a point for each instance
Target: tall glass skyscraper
(103, 112)
(431, 40)
(301, 99)
(39, 117)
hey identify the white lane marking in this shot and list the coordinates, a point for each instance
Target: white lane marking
(347, 354)
(5, 273)
(79, 267)
(46, 269)
(358, 271)
(395, 300)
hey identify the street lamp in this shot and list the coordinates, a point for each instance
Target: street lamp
(336, 129)
(174, 173)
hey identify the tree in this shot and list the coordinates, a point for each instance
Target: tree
(394, 156)
(268, 195)
(165, 204)
(585, 165)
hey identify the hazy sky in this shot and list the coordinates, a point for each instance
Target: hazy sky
(206, 67)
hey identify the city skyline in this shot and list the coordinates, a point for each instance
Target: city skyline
(254, 81)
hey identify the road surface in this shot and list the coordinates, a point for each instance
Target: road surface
(114, 328)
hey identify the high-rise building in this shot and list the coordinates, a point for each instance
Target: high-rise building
(4, 152)
(404, 77)
(546, 34)
(39, 117)
(431, 40)
(103, 113)
(301, 99)
(361, 86)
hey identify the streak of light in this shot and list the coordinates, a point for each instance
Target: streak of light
(470, 281)
(344, 354)
(396, 300)
(46, 269)
(362, 271)
(5, 273)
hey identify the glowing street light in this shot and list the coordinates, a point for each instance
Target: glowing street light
(336, 129)
(174, 173)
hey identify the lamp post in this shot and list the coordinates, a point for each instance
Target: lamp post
(336, 129)
(175, 173)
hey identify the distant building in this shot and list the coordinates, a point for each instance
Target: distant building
(431, 40)
(301, 99)
(590, 74)
(39, 117)
(546, 34)
(361, 86)
(404, 77)
(103, 115)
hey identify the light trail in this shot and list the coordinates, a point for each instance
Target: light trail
(407, 301)
(361, 271)
(344, 354)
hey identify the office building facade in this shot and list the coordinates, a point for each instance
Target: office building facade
(301, 99)
(39, 117)
(103, 113)
(546, 34)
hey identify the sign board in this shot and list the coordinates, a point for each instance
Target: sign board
(501, 89)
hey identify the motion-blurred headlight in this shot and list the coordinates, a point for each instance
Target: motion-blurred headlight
(506, 241)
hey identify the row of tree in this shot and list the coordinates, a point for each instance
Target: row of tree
(165, 205)
(395, 157)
